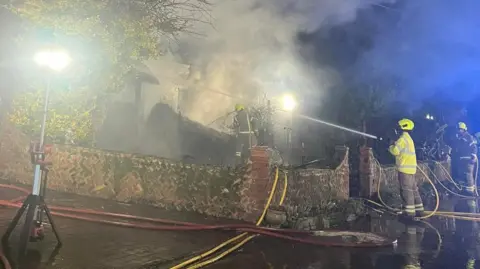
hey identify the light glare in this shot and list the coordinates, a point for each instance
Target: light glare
(289, 102)
(56, 60)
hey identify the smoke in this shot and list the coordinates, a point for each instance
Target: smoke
(433, 48)
(251, 51)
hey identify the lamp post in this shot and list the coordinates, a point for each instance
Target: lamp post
(55, 60)
(289, 104)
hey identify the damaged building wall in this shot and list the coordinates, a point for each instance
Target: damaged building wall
(165, 134)
(146, 118)
(238, 193)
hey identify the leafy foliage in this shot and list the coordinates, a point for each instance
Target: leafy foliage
(107, 39)
(65, 116)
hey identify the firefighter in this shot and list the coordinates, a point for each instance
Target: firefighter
(243, 133)
(464, 157)
(406, 162)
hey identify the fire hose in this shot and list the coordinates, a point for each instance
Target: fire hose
(435, 212)
(172, 225)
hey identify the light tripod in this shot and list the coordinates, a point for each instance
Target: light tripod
(34, 205)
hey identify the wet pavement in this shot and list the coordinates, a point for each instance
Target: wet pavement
(91, 245)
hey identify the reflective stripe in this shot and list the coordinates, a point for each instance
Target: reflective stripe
(419, 207)
(407, 169)
(406, 150)
(470, 188)
(407, 166)
(471, 203)
(246, 132)
(238, 154)
(409, 209)
(412, 230)
(397, 148)
(471, 264)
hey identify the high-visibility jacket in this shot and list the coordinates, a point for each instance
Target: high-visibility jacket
(404, 152)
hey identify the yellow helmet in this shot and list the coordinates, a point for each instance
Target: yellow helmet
(239, 107)
(462, 126)
(406, 124)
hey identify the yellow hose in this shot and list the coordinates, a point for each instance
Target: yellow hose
(446, 214)
(437, 204)
(223, 254)
(456, 184)
(285, 186)
(238, 237)
(449, 177)
(431, 213)
(379, 194)
(267, 205)
(476, 177)
(208, 253)
(445, 187)
(456, 213)
(458, 217)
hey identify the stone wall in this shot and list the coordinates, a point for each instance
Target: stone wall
(371, 172)
(238, 193)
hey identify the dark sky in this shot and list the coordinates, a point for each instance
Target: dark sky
(431, 46)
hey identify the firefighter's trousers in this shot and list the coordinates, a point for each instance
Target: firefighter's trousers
(242, 148)
(411, 200)
(462, 172)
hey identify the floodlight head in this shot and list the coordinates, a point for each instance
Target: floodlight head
(56, 60)
(289, 102)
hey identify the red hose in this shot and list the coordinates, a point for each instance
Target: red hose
(177, 225)
(6, 263)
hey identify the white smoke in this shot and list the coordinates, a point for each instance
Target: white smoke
(250, 51)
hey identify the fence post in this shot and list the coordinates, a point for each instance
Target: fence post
(367, 172)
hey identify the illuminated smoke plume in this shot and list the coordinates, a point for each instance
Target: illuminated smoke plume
(251, 50)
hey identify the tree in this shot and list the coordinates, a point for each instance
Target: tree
(108, 38)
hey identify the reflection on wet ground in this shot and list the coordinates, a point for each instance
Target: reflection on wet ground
(89, 245)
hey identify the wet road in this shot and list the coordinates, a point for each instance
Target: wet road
(90, 245)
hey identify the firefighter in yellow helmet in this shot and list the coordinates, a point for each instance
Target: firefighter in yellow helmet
(406, 162)
(464, 157)
(239, 107)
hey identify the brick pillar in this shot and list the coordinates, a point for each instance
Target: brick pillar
(367, 172)
(257, 185)
(343, 171)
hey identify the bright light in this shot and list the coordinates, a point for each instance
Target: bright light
(289, 102)
(56, 60)
(429, 117)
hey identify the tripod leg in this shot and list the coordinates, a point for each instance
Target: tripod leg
(27, 227)
(15, 220)
(52, 223)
